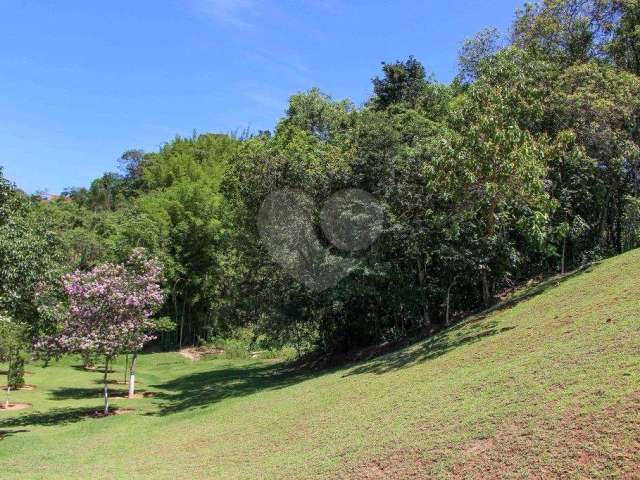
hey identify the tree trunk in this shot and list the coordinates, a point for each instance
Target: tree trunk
(184, 304)
(486, 295)
(106, 385)
(126, 367)
(618, 225)
(6, 403)
(564, 251)
(132, 375)
(603, 222)
(426, 319)
(448, 303)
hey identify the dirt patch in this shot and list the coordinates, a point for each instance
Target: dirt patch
(605, 443)
(96, 369)
(118, 382)
(136, 396)
(478, 446)
(122, 382)
(26, 386)
(196, 353)
(112, 412)
(398, 465)
(15, 406)
(576, 445)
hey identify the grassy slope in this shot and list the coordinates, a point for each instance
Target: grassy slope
(546, 386)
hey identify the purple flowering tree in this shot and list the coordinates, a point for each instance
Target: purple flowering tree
(109, 311)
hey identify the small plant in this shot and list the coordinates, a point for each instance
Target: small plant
(89, 360)
(12, 341)
(15, 375)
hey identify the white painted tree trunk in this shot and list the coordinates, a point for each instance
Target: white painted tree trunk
(132, 385)
(132, 376)
(106, 386)
(6, 402)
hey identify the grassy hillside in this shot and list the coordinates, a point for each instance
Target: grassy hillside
(546, 386)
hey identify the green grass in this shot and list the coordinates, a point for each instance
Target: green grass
(543, 387)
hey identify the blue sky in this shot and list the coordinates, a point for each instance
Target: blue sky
(83, 81)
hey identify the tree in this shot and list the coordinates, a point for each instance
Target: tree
(29, 258)
(567, 31)
(600, 105)
(475, 50)
(13, 339)
(109, 311)
(624, 47)
(503, 164)
(403, 82)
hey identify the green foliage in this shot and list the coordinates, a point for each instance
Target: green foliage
(30, 258)
(15, 376)
(403, 82)
(13, 342)
(475, 50)
(163, 325)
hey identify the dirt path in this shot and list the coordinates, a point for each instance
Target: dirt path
(196, 353)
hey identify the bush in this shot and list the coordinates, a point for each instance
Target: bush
(15, 378)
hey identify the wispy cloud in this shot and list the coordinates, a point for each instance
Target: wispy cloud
(266, 100)
(280, 59)
(238, 14)
(331, 6)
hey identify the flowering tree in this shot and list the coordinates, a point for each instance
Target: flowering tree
(109, 311)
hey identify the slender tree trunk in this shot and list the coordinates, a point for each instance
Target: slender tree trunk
(448, 303)
(426, 319)
(132, 375)
(6, 403)
(603, 222)
(126, 367)
(564, 251)
(618, 225)
(106, 385)
(486, 295)
(175, 308)
(184, 305)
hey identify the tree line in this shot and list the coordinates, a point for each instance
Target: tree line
(526, 164)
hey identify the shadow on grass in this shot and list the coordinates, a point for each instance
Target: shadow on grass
(531, 292)
(56, 416)
(201, 389)
(428, 349)
(75, 393)
(470, 330)
(91, 370)
(204, 388)
(10, 433)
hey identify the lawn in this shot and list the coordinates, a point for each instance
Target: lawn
(545, 385)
